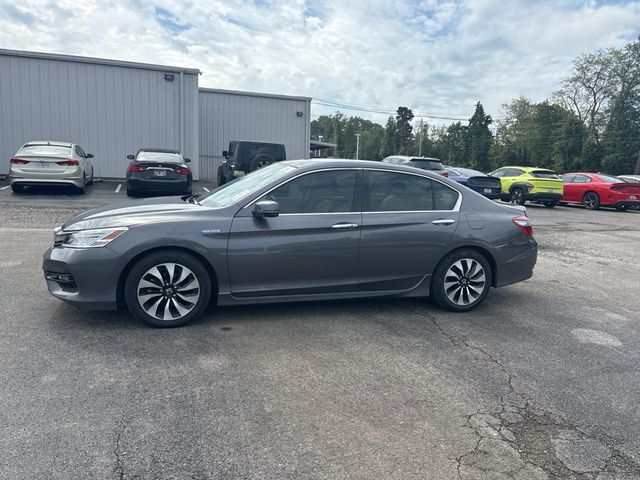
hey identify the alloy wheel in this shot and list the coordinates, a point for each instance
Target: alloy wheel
(464, 281)
(168, 291)
(590, 201)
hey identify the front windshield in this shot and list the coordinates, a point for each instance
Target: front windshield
(243, 187)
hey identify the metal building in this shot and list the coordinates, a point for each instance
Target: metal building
(227, 115)
(110, 108)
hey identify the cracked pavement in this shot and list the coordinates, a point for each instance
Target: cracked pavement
(540, 382)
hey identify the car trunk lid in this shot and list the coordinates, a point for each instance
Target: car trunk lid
(42, 164)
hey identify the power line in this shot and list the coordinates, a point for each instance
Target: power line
(364, 108)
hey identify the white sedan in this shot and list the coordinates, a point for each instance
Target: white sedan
(50, 163)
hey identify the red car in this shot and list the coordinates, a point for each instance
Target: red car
(594, 190)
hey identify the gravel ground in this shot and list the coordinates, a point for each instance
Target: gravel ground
(541, 381)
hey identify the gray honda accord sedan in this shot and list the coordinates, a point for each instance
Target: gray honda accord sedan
(295, 230)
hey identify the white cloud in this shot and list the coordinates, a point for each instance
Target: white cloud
(436, 56)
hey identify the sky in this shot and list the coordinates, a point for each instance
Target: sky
(438, 57)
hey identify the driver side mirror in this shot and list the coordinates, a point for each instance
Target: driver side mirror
(187, 160)
(225, 154)
(266, 208)
(131, 157)
(89, 155)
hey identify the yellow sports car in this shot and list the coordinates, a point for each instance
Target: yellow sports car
(539, 185)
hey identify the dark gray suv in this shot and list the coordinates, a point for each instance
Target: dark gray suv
(295, 230)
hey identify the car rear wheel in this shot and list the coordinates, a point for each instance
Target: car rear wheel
(90, 182)
(461, 281)
(167, 289)
(517, 196)
(83, 188)
(591, 201)
(550, 203)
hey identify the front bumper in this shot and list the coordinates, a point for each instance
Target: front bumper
(85, 277)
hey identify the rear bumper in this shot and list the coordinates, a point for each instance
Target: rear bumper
(166, 184)
(518, 267)
(544, 196)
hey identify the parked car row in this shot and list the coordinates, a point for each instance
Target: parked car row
(151, 170)
(518, 185)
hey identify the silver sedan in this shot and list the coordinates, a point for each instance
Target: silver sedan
(50, 163)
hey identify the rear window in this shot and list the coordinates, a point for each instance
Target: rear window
(159, 157)
(426, 164)
(46, 150)
(544, 174)
(608, 179)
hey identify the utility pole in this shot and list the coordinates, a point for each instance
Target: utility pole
(357, 146)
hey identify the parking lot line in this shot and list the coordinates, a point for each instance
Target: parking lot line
(204, 188)
(4, 188)
(118, 188)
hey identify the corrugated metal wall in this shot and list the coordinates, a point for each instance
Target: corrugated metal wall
(226, 116)
(111, 110)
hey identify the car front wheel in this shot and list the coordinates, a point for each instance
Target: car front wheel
(591, 200)
(167, 289)
(461, 281)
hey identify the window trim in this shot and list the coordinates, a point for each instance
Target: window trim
(456, 207)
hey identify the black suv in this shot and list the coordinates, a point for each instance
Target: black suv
(245, 157)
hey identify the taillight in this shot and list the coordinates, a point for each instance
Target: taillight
(137, 168)
(69, 162)
(18, 161)
(524, 224)
(445, 174)
(530, 186)
(182, 171)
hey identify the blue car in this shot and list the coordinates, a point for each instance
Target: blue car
(477, 181)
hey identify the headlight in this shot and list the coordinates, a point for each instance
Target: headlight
(87, 238)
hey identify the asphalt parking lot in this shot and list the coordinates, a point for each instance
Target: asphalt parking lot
(540, 381)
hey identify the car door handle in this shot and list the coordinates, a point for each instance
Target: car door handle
(345, 225)
(444, 221)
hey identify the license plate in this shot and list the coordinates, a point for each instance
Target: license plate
(487, 190)
(44, 165)
(160, 173)
(633, 197)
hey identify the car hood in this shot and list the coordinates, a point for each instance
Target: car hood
(128, 213)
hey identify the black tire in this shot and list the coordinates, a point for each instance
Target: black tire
(591, 201)
(517, 196)
(622, 208)
(469, 280)
(550, 203)
(90, 182)
(261, 161)
(147, 263)
(83, 188)
(221, 178)
(17, 188)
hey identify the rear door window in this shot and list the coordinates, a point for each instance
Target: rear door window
(398, 192)
(544, 174)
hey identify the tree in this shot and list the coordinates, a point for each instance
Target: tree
(404, 131)
(388, 146)
(480, 138)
